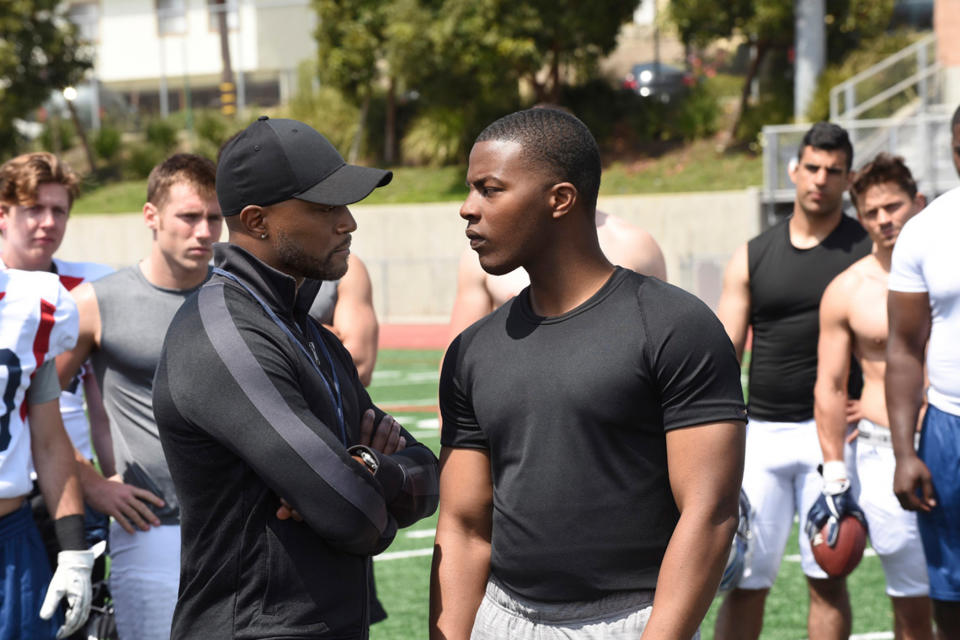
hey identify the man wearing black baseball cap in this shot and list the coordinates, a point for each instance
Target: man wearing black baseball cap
(275, 422)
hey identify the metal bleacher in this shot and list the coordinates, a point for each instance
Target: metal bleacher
(894, 106)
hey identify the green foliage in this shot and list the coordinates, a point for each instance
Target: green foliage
(469, 55)
(324, 108)
(775, 104)
(58, 134)
(39, 52)
(869, 54)
(768, 25)
(107, 143)
(435, 138)
(162, 134)
(697, 114)
(212, 129)
(142, 158)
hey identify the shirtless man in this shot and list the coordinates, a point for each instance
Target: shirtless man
(853, 321)
(479, 293)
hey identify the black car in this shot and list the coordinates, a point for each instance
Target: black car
(658, 81)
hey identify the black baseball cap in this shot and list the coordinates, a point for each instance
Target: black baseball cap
(274, 160)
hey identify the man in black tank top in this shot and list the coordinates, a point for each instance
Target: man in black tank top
(773, 285)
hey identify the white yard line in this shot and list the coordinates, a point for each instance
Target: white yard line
(400, 555)
(795, 557)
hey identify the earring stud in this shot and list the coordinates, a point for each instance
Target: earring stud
(263, 236)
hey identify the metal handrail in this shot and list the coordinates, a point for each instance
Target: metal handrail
(918, 48)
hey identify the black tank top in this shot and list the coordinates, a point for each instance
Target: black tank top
(785, 288)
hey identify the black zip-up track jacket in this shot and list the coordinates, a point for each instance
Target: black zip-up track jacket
(246, 419)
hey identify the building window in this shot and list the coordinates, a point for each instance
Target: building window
(214, 8)
(86, 17)
(171, 17)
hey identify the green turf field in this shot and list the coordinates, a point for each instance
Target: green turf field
(405, 379)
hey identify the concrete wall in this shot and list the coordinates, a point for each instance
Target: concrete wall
(946, 24)
(412, 250)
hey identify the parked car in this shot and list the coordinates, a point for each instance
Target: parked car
(658, 81)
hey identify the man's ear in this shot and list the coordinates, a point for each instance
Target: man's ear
(151, 216)
(920, 202)
(563, 198)
(253, 220)
(4, 216)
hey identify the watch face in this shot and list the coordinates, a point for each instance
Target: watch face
(369, 459)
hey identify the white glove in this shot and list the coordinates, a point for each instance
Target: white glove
(835, 479)
(72, 581)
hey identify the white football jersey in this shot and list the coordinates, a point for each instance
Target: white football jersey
(38, 322)
(72, 274)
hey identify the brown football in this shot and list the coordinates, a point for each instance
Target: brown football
(842, 558)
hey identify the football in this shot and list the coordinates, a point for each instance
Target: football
(843, 557)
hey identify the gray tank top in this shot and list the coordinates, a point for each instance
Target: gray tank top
(134, 316)
(325, 302)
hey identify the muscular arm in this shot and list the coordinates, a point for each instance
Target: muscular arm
(107, 493)
(705, 464)
(461, 552)
(909, 316)
(473, 300)
(99, 423)
(88, 340)
(734, 306)
(53, 459)
(833, 366)
(354, 319)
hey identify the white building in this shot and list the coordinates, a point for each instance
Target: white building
(159, 54)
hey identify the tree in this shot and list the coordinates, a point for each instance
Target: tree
(469, 55)
(768, 27)
(350, 40)
(39, 53)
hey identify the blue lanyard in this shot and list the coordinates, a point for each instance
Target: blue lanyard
(334, 393)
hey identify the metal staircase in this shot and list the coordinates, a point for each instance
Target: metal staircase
(894, 106)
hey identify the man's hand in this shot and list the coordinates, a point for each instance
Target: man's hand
(125, 503)
(385, 438)
(911, 476)
(834, 503)
(71, 581)
(852, 412)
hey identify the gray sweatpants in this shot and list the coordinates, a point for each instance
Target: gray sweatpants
(505, 615)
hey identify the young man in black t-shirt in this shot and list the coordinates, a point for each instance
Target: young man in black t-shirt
(773, 285)
(593, 426)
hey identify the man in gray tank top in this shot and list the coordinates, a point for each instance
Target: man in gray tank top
(123, 320)
(345, 306)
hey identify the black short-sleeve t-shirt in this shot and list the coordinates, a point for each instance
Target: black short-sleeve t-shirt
(574, 411)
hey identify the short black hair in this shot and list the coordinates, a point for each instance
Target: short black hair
(829, 137)
(555, 141)
(883, 169)
(956, 118)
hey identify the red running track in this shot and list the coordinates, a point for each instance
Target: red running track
(413, 336)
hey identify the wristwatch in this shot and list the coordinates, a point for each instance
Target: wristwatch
(369, 460)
